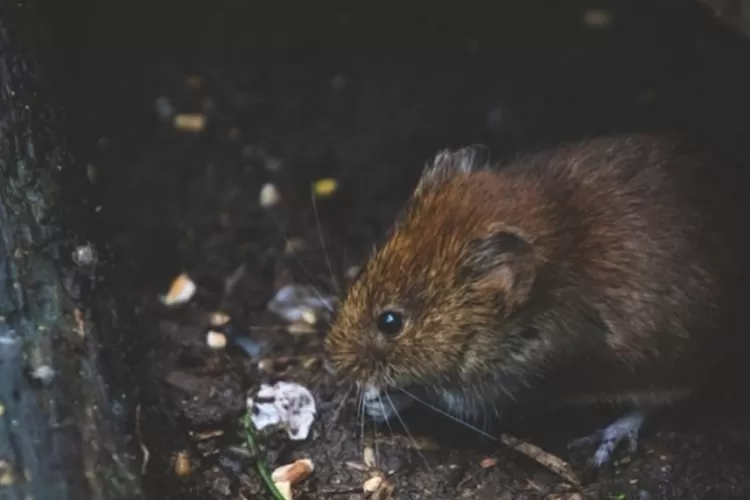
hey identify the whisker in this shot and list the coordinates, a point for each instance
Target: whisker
(337, 411)
(449, 415)
(403, 424)
(334, 282)
(301, 265)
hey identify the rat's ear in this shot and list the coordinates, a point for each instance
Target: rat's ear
(503, 260)
(448, 163)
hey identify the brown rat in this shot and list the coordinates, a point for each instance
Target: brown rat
(601, 271)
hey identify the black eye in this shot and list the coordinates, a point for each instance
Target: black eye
(390, 322)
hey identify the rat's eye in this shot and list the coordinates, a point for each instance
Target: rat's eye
(390, 322)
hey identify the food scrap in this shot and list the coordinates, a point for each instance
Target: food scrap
(181, 291)
(285, 404)
(300, 303)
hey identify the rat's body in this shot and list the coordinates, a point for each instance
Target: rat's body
(597, 272)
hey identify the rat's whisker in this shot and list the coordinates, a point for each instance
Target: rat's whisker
(319, 296)
(337, 412)
(408, 433)
(449, 415)
(334, 281)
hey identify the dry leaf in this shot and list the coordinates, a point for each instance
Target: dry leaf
(295, 472)
(181, 291)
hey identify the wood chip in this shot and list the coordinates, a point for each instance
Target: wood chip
(189, 122)
(300, 328)
(368, 457)
(548, 460)
(181, 291)
(202, 436)
(295, 472)
(182, 463)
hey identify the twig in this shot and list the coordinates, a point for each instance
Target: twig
(548, 460)
(260, 465)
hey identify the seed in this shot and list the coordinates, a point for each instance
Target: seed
(295, 472)
(181, 291)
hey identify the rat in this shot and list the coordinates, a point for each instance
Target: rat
(597, 272)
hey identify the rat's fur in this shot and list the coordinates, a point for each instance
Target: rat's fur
(600, 271)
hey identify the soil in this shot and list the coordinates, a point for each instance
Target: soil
(174, 201)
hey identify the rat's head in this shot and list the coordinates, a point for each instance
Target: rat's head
(426, 307)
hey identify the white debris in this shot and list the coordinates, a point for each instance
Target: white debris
(284, 404)
(300, 303)
(43, 373)
(269, 195)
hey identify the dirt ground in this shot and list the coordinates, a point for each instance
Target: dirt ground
(177, 201)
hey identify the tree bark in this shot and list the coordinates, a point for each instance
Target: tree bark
(59, 438)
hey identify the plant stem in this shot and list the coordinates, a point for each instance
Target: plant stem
(260, 465)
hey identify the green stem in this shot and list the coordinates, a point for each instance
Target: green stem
(260, 465)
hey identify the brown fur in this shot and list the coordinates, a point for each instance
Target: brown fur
(599, 271)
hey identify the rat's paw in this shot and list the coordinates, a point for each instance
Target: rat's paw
(608, 438)
(381, 406)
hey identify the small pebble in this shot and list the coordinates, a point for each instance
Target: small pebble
(84, 255)
(269, 195)
(164, 108)
(216, 340)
